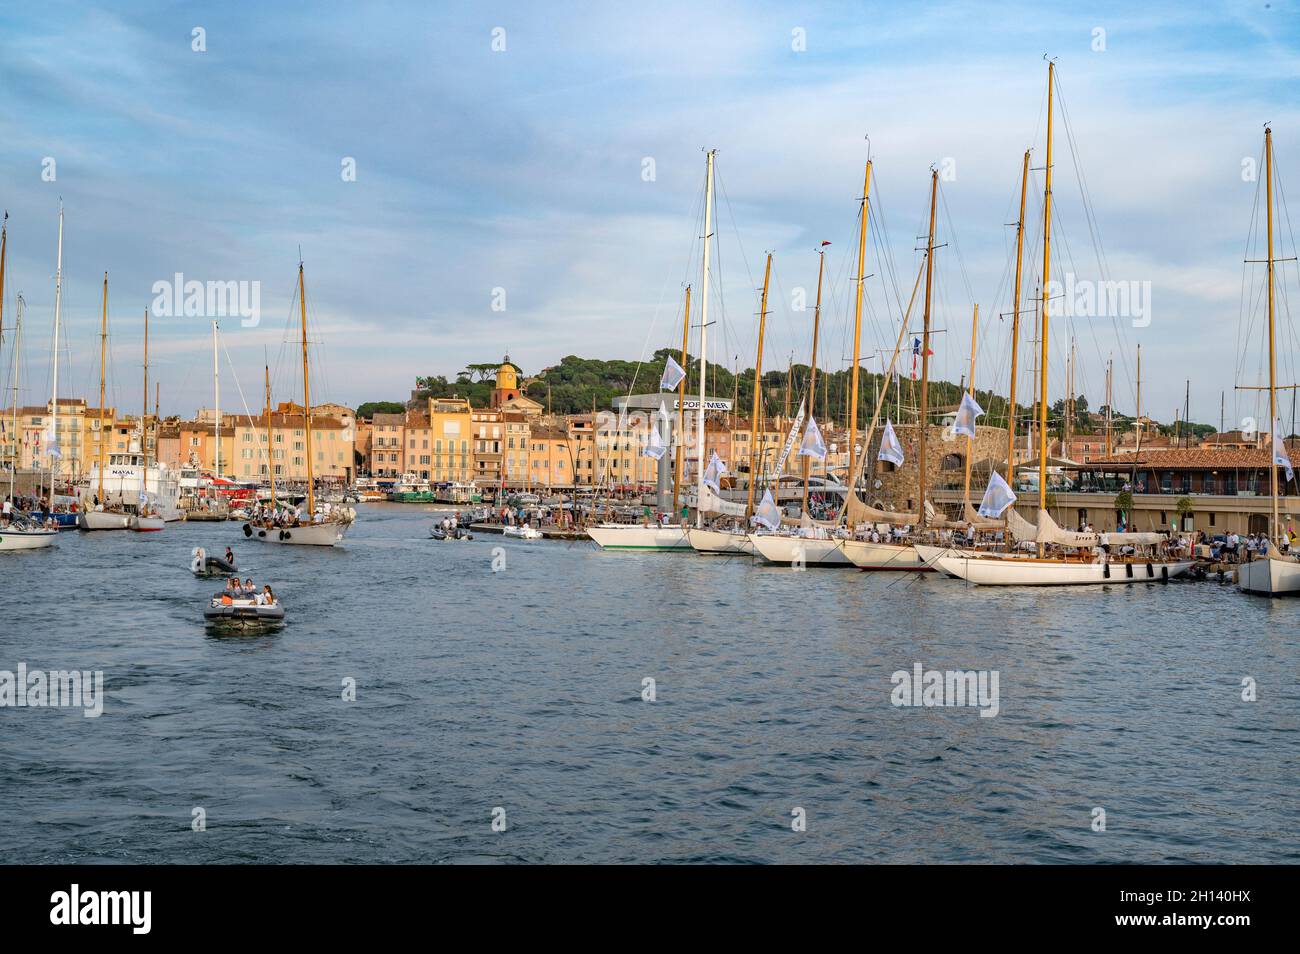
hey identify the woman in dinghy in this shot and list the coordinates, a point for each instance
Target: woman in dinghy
(240, 605)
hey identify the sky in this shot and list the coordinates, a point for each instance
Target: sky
(528, 181)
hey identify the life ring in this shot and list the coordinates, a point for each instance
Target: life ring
(248, 531)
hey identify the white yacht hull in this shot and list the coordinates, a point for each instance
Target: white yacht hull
(147, 524)
(1028, 571)
(866, 555)
(719, 541)
(1269, 577)
(102, 520)
(639, 537)
(808, 551)
(314, 535)
(13, 539)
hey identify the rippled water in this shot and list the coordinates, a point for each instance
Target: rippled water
(521, 689)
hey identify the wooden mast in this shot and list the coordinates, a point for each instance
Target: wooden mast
(1015, 324)
(754, 426)
(103, 358)
(4, 247)
(681, 408)
(857, 334)
(1042, 335)
(812, 378)
(270, 445)
(1272, 344)
(1110, 400)
(144, 412)
(306, 398)
(970, 389)
(925, 352)
(18, 371)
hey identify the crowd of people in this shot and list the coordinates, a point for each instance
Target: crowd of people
(25, 509)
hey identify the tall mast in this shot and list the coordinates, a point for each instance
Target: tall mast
(970, 441)
(812, 378)
(4, 247)
(1272, 344)
(54, 391)
(306, 396)
(704, 333)
(1110, 400)
(857, 331)
(681, 407)
(18, 370)
(1138, 423)
(216, 397)
(1042, 333)
(755, 427)
(925, 351)
(1015, 324)
(270, 446)
(144, 415)
(103, 358)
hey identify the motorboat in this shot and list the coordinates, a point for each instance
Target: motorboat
(203, 565)
(523, 532)
(232, 613)
(23, 533)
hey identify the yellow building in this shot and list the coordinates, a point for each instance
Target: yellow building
(450, 431)
(550, 463)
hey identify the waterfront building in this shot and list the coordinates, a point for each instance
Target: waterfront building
(332, 446)
(450, 427)
(387, 458)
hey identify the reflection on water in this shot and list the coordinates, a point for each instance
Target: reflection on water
(522, 689)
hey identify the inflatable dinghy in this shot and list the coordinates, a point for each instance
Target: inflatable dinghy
(243, 614)
(203, 565)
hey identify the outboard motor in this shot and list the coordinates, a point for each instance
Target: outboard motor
(199, 561)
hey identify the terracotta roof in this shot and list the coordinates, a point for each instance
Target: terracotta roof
(1196, 458)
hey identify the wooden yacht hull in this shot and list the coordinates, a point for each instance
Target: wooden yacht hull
(1027, 571)
(1269, 577)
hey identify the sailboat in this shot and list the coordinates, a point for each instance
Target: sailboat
(620, 536)
(1092, 564)
(314, 530)
(722, 540)
(98, 513)
(1272, 575)
(146, 519)
(20, 531)
(813, 544)
(873, 555)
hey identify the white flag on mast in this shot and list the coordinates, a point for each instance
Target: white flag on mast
(768, 513)
(967, 411)
(714, 473)
(656, 447)
(1280, 456)
(997, 498)
(813, 445)
(672, 375)
(890, 449)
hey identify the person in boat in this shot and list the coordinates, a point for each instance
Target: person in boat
(230, 556)
(248, 589)
(268, 598)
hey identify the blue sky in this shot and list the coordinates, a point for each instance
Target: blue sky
(521, 169)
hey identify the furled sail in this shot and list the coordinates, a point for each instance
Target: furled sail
(1020, 528)
(710, 502)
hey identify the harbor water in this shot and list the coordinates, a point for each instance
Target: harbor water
(632, 707)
